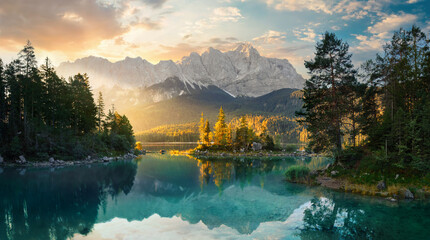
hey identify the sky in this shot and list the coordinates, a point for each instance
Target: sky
(155, 30)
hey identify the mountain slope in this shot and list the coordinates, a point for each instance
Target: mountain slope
(187, 108)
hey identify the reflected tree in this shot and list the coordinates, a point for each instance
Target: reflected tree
(60, 203)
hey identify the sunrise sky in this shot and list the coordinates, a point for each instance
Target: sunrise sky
(170, 29)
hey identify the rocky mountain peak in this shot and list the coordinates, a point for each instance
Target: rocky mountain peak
(247, 49)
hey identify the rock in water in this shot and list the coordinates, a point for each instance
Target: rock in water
(22, 159)
(381, 185)
(257, 146)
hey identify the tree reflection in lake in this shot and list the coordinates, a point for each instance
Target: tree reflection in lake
(340, 216)
(60, 202)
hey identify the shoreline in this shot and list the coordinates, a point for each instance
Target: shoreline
(61, 163)
(198, 153)
(327, 179)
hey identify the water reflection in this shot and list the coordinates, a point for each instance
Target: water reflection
(56, 203)
(165, 197)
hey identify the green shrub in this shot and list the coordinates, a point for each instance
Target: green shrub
(297, 173)
(291, 148)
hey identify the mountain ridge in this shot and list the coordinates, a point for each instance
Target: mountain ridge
(240, 72)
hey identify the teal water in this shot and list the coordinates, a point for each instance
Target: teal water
(178, 197)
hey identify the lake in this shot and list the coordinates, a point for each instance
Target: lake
(178, 197)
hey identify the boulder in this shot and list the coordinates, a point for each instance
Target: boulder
(22, 159)
(381, 185)
(105, 159)
(407, 193)
(256, 146)
(51, 160)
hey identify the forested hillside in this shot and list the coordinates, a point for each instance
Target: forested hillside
(43, 115)
(187, 108)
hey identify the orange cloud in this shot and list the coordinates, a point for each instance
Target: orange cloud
(57, 24)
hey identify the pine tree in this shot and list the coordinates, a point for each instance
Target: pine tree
(202, 129)
(332, 75)
(207, 134)
(84, 108)
(229, 135)
(242, 134)
(100, 110)
(220, 129)
(28, 80)
(3, 106)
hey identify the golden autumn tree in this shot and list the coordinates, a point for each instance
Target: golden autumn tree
(220, 130)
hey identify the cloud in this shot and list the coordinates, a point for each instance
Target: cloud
(270, 37)
(56, 24)
(219, 15)
(300, 5)
(305, 34)
(359, 9)
(382, 31)
(226, 14)
(154, 3)
(392, 22)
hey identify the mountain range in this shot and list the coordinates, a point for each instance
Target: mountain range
(240, 72)
(240, 80)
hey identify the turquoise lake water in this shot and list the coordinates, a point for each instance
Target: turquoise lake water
(179, 197)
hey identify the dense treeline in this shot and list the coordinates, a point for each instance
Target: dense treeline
(187, 132)
(42, 115)
(379, 113)
(282, 128)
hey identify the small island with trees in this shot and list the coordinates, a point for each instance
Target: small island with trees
(236, 138)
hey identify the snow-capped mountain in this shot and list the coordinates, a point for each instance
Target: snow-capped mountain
(242, 71)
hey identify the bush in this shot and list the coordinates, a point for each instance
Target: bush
(291, 148)
(297, 173)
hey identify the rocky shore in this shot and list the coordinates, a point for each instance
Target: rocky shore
(51, 162)
(206, 153)
(330, 179)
